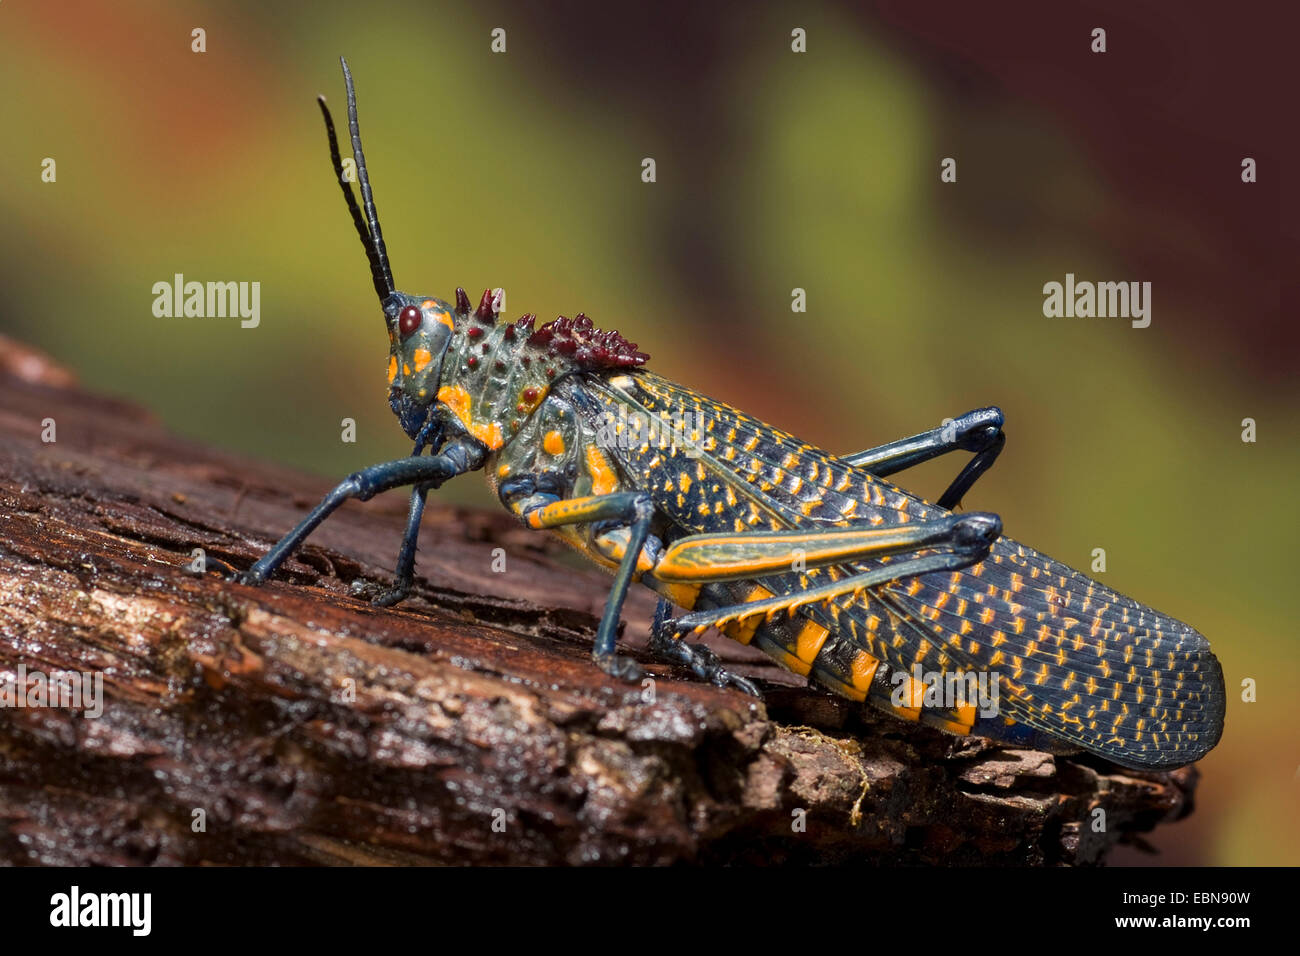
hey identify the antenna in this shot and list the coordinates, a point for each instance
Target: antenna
(371, 237)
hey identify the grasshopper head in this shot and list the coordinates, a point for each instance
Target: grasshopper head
(435, 347)
(419, 331)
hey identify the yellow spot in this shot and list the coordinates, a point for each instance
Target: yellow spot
(442, 317)
(810, 641)
(406, 369)
(743, 631)
(863, 670)
(457, 399)
(553, 443)
(603, 478)
(791, 663)
(392, 368)
(503, 471)
(422, 359)
(529, 405)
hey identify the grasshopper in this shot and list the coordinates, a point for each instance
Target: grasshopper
(840, 575)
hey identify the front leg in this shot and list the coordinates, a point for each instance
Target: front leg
(404, 576)
(405, 572)
(456, 459)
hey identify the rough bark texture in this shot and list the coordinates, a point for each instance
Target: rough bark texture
(465, 726)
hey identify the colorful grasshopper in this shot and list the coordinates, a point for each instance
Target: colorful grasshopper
(814, 558)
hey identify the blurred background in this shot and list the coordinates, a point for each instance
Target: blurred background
(775, 170)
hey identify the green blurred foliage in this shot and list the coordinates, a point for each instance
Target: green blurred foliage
(523, 172)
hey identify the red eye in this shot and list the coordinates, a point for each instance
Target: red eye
(409, 320)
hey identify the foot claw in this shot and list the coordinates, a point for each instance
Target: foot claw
(699, 658)
(624, 668)
(724, 678)
(392, 596)
(378, 595)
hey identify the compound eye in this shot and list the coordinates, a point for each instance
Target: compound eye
(409, 319)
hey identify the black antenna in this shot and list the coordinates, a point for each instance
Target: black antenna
(371, 237)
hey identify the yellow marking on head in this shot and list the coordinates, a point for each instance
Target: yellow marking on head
(603, 477)
(422, 359)
(457, 399)
(553, 443)
(392, 368)
(809, 641)
(442, 317)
